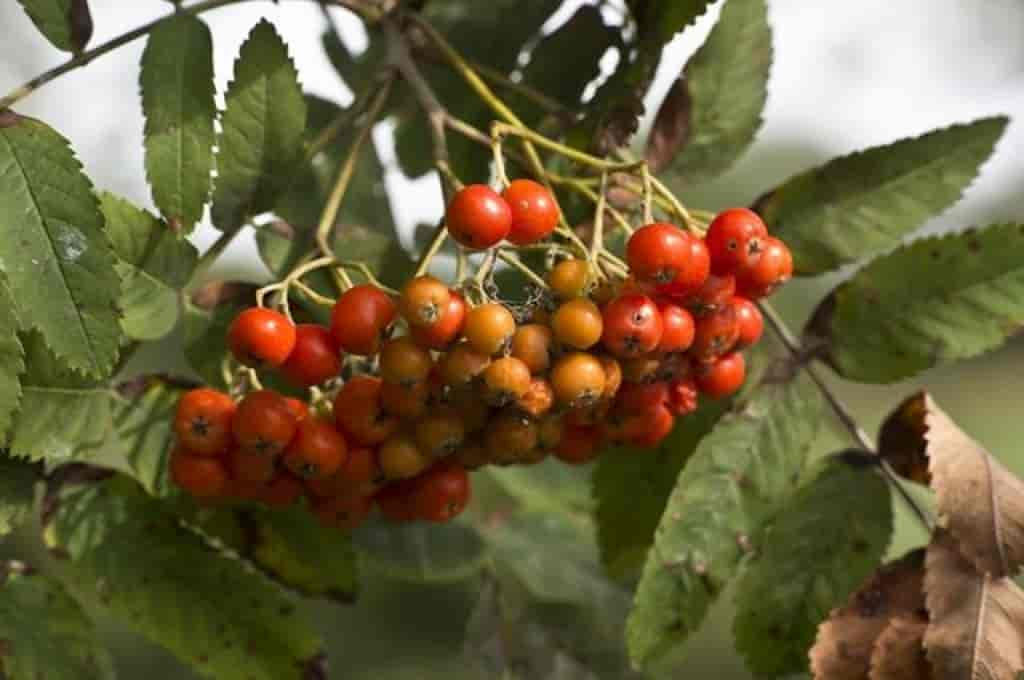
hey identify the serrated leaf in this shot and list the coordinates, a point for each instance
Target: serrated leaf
(564, 62)
(17, 493)
(421, 552)
(738, 477)
(817, 549)
(288, 546)
(12, 361)
(57, 260)
(846, 641)
(155, 264)
(615, 112)
(45, 634)
(865, 203)
(161, 580)
(981, 501)
(262, 125)
(976, 622)
(723, 91)
(934, 301)
(67, 24)
(177, 86)
(64, 417)
(901, 441)
(632, 488)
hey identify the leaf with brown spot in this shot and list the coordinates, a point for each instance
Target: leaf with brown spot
(846, 640)
(901, 439)
(976, 620)
(899, 651)
(981, 501)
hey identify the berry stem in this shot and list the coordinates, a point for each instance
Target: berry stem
(512, 260)
(582, 187)
(597, 238)
(843, 413)
(436, 242)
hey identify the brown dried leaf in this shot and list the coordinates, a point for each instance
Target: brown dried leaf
(80, 19)
(845, 641)
(981, 501)
(976, 620)
(671, 126)
(899, 651)
(219, 292)
(901, 440)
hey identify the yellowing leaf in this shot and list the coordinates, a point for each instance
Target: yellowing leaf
(977, 621)
(981, 501)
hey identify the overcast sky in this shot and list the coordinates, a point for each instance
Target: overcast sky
(846, 75)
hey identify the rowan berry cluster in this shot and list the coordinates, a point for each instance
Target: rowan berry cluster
(446, 383)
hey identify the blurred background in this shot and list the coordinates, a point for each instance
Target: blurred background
(845, 76)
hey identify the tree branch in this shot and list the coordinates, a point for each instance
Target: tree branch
(843, 413)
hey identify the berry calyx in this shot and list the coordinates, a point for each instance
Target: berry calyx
(735, 240)
(202, 421)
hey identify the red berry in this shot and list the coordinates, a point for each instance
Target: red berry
(632, 326)
(282, 491)
(441, 493)
(534, 211)
(359, 412)
(360, 318)
(261, 337)
(246, 467)
(682, 396)
(677, 328)
(264, 424)
(315, 358)
(343, 512)
(443, 332)
(650, 427)
(715, 334)
(640, 397)
(749, 320)
(712, 296)
(478, 217)
(659, 253)
(200, 476)
(696, 273)
(202, 421)
(579, 444)
(735, 240)
(772, 269)
(316, 451)
(721, 377)
(299, 408)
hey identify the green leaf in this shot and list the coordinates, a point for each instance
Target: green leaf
(178, 101)
(550, 485)
(288, 546)
(565, 61)
(12, 361)
(165, 583)
(56, 257)
(262, 126)
(45, 634)
(551, 562)
(67, 24)
(820, 546)
(17, 493)
(421, 552)
(64, 417)
(739, 475)
(725, 85)
(632, 488)
(155, 264)
(936, 300)
(384, 255)
(865, 203)
(615, 111)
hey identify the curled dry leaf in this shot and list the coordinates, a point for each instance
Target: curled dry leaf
(981, 501)
(977, 620)
(671, 126)
(899, 651)
(901, 440)
(846, 640)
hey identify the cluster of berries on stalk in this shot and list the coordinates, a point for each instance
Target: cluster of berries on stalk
(443, 383)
